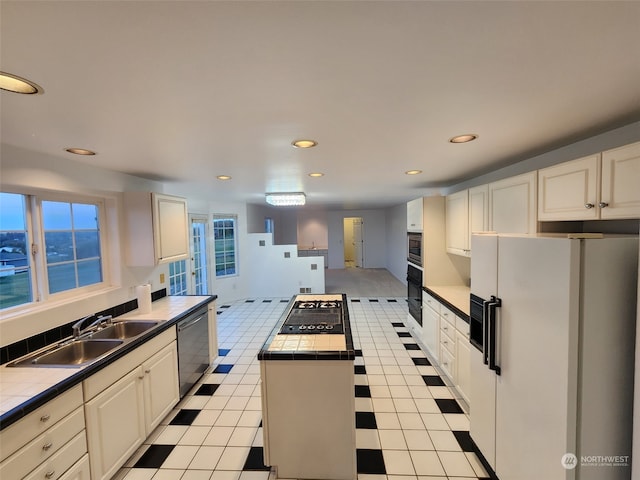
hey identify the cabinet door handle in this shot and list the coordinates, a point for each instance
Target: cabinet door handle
(603, 204)
(589, 205)
(45, 418)
(47, 446)
(147, 371)
(141, 377)
(50, 474)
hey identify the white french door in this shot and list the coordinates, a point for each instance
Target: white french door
(198, 264)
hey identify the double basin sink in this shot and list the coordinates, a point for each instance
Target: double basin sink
(89, 347)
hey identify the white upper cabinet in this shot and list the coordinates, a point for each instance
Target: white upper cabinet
(570, 190)
(157, 228)
(620, 195)
(600, 186)
(512, 204)
(457, 223)
(478, 210)
(467, 212)
(414, 215)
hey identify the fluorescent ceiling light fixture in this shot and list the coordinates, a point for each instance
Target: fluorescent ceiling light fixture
(413, 172)
(467, 137)
(13, 83)
(316, 174)
(80, 151)
(304, 143)
(223, 177)
(286, 199)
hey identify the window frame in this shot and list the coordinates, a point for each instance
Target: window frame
(37, 248)
(225, 216)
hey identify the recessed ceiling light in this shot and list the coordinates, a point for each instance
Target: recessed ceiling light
(304, 143)
(13, 83)
(467, 137)
(80, 151)
(413, 172)
(223, 177)
(316, 174)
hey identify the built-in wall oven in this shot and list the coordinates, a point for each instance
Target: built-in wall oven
(414, 248)
(414, 292)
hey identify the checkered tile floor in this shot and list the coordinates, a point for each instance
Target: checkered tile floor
(409, 425)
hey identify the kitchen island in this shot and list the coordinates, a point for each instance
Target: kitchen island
(308, 402)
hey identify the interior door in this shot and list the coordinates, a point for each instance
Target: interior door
(358, 242)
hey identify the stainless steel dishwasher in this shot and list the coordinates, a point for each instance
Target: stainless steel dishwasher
(193, 348)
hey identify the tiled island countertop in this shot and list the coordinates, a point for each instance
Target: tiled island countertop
(23, 389)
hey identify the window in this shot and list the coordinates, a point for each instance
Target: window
(224, 234)
(178, 278)
(72, 245)
(48, 246)
(15, 266)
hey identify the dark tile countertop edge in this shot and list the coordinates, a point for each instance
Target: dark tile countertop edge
(448, 304)
(15, 414)
(348, 354)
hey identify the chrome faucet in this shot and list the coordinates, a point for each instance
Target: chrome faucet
(77, 327)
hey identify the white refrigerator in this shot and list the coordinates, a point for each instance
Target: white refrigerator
(553, 323)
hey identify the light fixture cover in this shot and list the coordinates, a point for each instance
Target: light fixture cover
(13, 83)
(286, 199)
(304, 143)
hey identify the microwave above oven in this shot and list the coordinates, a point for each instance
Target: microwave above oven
(414, 248)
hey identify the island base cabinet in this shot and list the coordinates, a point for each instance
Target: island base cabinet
(115, 425)
(308, 411)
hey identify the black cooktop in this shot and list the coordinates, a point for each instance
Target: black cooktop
(314, 317)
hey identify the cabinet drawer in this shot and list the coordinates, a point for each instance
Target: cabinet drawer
(431, 302)
(58, 464)
(26, 429)
(447, 342)
(43, 447)
(447, 314)
(462, 326)
(447, 362)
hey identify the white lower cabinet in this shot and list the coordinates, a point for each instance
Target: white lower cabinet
(431, 327)
(47, 442)
(446, 337)
(463, 364)
(115, 425)
(124, 409)
(79, 471)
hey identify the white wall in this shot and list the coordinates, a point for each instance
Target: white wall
(396, 229)
(312, 229)
(277, 271)
(374, 234)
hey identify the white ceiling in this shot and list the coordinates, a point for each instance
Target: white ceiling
(184, 91)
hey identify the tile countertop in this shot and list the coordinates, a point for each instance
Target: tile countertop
(23, 389)
(457, 296)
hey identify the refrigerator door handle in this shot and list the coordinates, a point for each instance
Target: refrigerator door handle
(485, 331)
(493, 340)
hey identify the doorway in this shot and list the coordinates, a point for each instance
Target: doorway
(353, 232)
